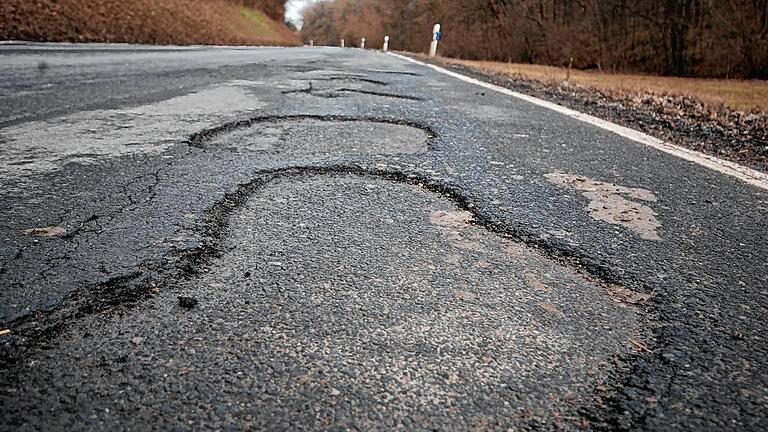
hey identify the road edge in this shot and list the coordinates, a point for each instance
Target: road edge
(731, 169)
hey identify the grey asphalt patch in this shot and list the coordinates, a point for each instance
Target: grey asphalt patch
(383, 318)
(317, 136)
(147, 129)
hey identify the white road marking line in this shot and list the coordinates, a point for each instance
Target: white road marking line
(745, 174)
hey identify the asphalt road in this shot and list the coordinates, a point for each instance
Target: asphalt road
(318, 238)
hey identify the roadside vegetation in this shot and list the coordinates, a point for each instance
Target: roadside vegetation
(184, 22)
(702, 38)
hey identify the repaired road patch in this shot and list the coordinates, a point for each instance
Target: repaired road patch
(378, 318)
(318, 136)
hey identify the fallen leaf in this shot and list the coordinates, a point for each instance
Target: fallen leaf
(48, 232)
(639, 346)
(4, 332)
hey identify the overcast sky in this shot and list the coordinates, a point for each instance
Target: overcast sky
(293, 10)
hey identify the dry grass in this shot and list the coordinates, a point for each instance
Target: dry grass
(222, 22)
(736, 94)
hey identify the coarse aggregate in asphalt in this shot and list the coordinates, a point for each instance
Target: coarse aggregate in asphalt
(216, 238)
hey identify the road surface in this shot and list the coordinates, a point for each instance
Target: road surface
(318, 238)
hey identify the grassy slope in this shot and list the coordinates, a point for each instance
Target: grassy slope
(740, 95)
(141, 21)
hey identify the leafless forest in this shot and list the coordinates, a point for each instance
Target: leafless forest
(706, 38)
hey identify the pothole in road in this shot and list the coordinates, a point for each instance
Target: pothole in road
(315, 136)
(338, 297)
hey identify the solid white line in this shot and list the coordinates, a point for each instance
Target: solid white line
(745, 174)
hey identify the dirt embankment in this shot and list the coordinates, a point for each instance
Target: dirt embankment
(184, 22)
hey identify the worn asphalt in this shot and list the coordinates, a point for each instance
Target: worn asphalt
(322, 238)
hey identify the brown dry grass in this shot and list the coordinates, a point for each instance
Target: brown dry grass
(736, 94)
(141, 21)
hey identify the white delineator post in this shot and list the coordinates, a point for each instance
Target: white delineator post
(386, 44)
(342, 42)
(311, 42)
(362, 43)
(435, 39)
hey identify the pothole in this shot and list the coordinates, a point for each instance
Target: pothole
(318, 136)
(339, 297)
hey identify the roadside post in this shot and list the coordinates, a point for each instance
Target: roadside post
(362, 43)
(342, 42)
(436, 36)
(386, 44)
(311, 42)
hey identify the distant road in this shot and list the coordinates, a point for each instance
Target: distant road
(321, 238)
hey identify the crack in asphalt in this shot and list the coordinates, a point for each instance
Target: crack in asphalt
(335, 93)
(150, 190)
(381, 94)
(348, 79)
(393, 72)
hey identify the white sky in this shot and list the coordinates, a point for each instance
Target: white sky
(293, 10)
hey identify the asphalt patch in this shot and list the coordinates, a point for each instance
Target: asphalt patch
(382, 319)
(319, 136)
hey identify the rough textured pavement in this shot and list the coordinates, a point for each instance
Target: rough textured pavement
(320, 238)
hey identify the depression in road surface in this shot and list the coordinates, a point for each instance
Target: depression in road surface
(347, 300)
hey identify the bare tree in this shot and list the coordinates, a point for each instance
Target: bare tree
(677, 37)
